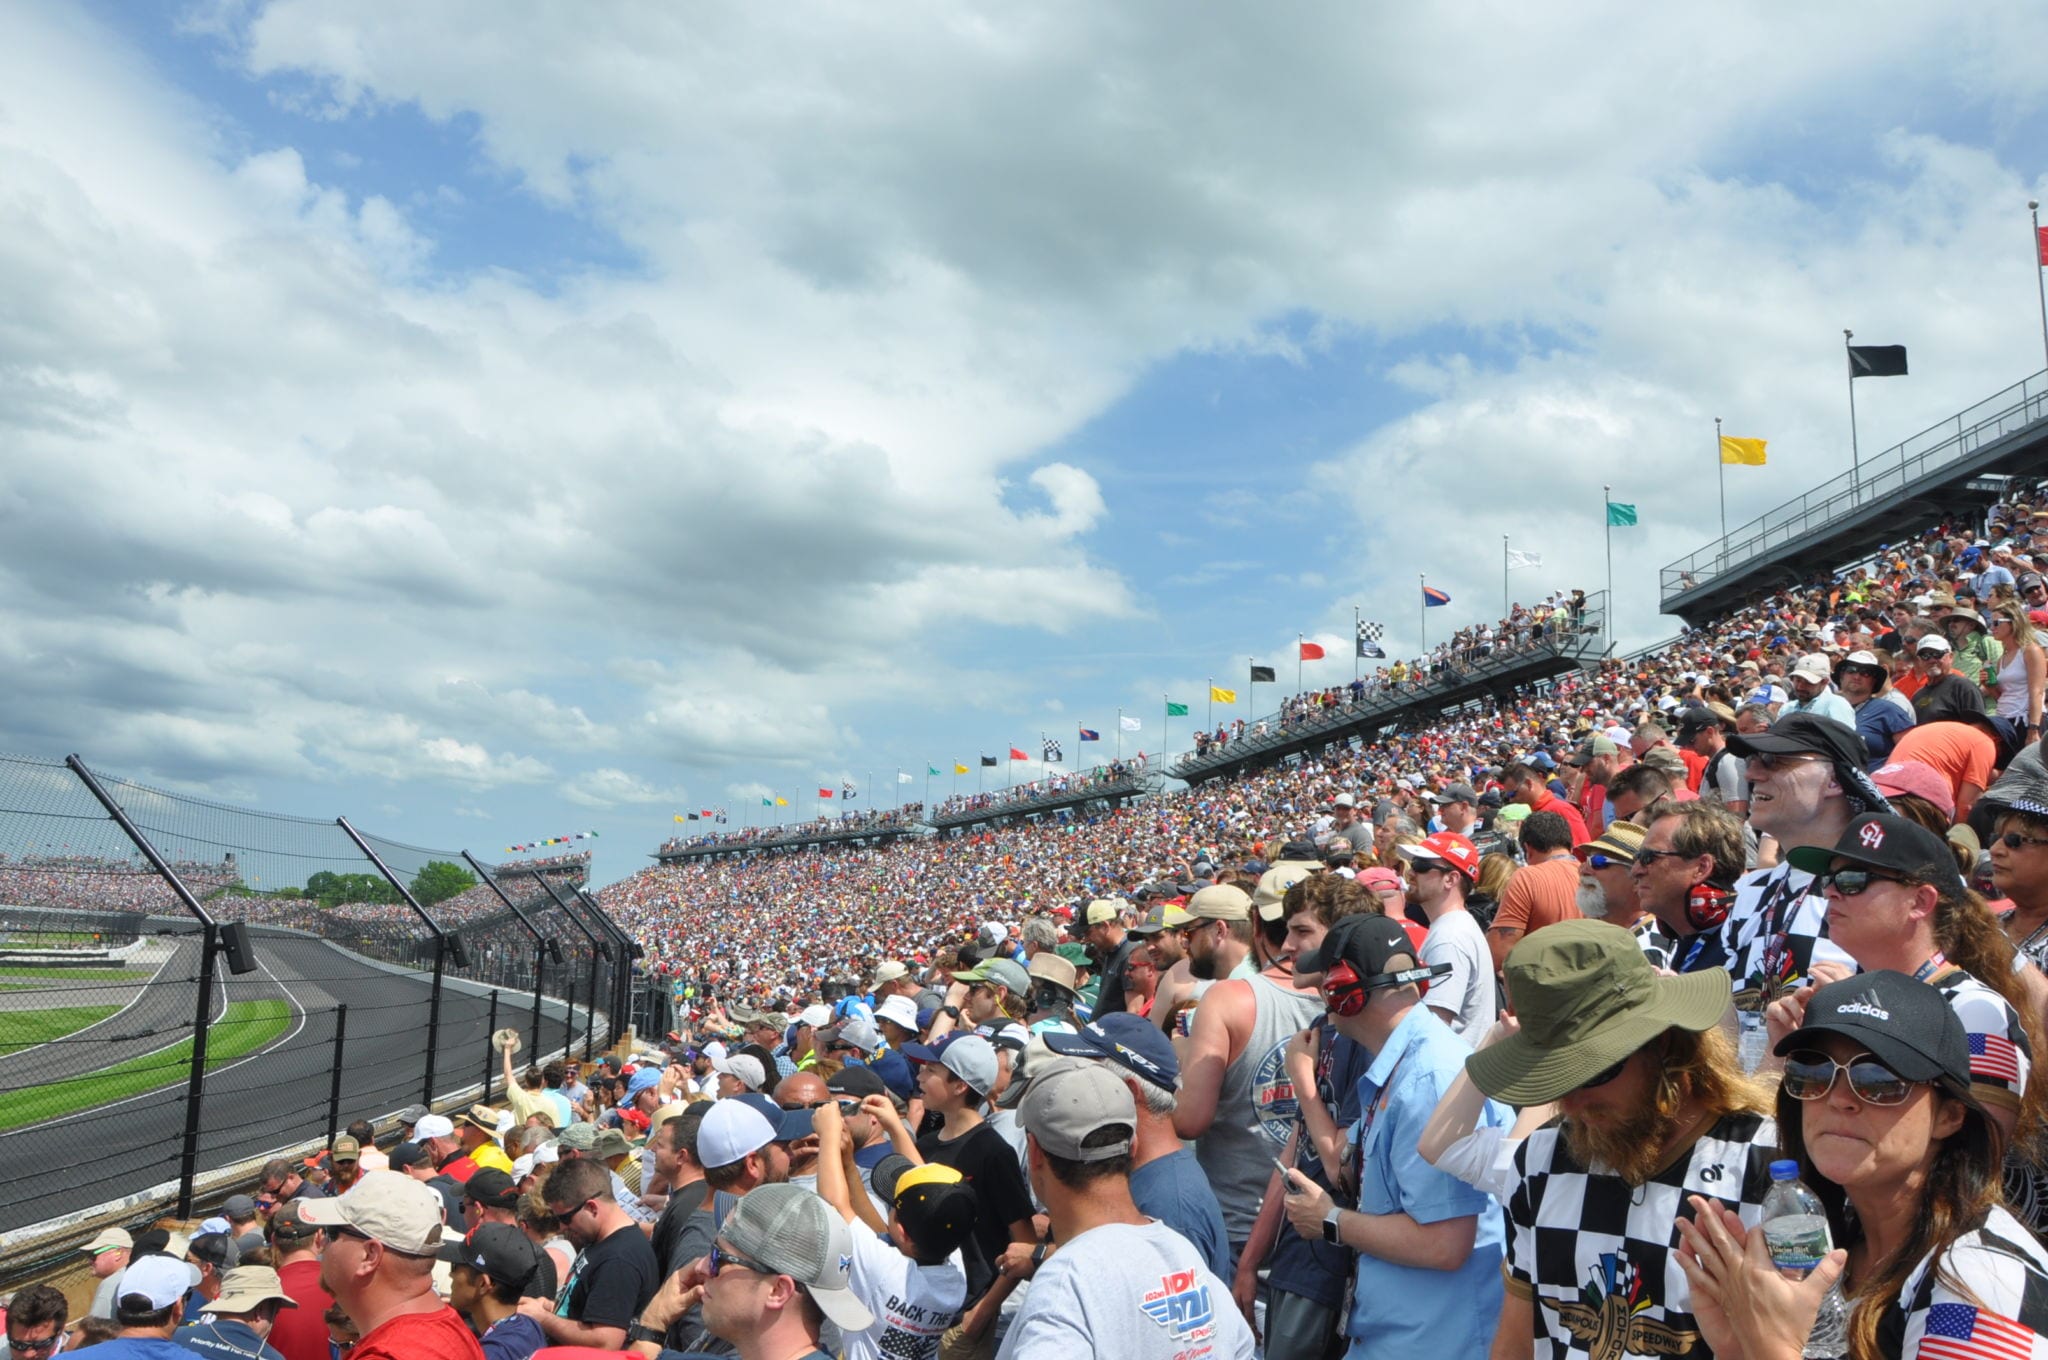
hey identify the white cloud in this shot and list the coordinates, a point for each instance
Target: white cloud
(609, 787)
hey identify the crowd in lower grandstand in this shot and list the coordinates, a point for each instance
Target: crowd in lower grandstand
(1686, 1005)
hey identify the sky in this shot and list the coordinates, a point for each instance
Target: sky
(494, 421)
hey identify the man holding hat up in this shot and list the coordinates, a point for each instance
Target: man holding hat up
(1120, 1285)
(1429, 1246)
(1654, 1109)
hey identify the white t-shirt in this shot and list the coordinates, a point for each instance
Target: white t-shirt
(913, 1304)
(1128, 1291)
(1467, 995)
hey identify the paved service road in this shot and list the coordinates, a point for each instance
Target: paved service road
(273, 1099)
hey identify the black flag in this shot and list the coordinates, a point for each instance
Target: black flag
(1877, 361)
(1260, 673)
(988, 762)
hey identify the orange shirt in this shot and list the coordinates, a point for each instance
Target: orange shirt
(1539, 895)
(1960, 752)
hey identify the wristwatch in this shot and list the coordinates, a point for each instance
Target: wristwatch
(1330, 1226)
(641, 1332)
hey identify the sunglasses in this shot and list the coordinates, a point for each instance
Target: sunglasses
(1602, 1078)
(1646, 856)
(1931, 654)
(1851, 882)
(1428, 866)
(1596, 860)
(1769, 761)
(2013, 840)
(46, 1346)
(1810, 1076)
(721, 1257)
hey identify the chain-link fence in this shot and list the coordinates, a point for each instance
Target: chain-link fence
(187, 986)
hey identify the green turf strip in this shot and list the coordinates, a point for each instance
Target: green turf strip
(16, 972)
(26, 1029)
(247, 1026)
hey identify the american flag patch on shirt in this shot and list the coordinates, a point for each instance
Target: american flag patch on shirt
(1994, 1056)
(1956, 1331)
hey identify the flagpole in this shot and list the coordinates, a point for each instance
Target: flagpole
(1297, 663)
(1506, 606)
(1165, 727)
(1422, 611)
(1721, 467)
(2040, 263)
(1855, 455)
(1210, 719)
(1119, 734)
(1607, 519)
(1355, 622)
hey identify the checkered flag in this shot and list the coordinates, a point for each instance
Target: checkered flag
(1053, 754)
(1369, 635)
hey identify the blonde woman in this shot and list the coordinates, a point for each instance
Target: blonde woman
(2022, 671)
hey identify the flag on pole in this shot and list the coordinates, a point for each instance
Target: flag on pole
(989, 762)
(849, 790)
(962, 769)
(1518, 558)
(1174, 710)
(780, 801)
(903, 778)
(1262, 673)
(1369, 635)
(679, 816)
(1747, 452)
(1877, 361)
(1130, 725)
(1620, 516)
(687, 817)
(824, 793)
(1090, 734)
(1016, 754)
(1432, 597)
(1053, 754)
(1311, 651)
(2042, 243)
(933, 769)
(1217, 695)
(767, 802)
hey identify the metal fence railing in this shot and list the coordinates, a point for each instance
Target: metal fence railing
(187, 985)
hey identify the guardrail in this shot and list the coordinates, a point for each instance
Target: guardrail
(1880, 478)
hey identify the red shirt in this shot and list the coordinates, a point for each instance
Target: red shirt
(458, 1168)
(439, 1335)
(301, 1333)
(1550, 802)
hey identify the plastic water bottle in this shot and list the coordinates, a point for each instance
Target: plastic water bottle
(1796, 1232)
(1752, 1042)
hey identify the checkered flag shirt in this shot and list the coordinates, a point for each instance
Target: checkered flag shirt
(1369, 635)
(1599, 1258)
(2000, 1311)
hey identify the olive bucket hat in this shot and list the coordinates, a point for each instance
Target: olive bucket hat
(1587, 998)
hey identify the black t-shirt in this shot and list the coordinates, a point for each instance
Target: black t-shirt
(1111, 996)
(672, 1229)
(989, 1164)
(612, 1281)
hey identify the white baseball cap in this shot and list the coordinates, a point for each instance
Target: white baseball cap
(160, 1279)
(433, 1126)
(731, 1131)
(389, 1206)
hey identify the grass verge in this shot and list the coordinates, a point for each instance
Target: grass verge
(26, 1029)
(24, 972)
(247, 1026)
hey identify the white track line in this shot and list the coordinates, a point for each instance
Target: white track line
(141, 989)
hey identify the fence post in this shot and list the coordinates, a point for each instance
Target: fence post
(195, 1086)
(540, 944)
(334, 1083)
(589, 1011)
(540, 958)
(597, 946)
(490, 1050)
(440, 949)
(569, 1017)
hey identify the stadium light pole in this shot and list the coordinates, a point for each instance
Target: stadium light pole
(195, 1085)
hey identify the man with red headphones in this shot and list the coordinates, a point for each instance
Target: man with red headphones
(1427, 1284)
(1685, 874)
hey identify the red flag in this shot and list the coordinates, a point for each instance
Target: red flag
(2042, 233)
(1016, 754)
(824, 793)
(1311, 651)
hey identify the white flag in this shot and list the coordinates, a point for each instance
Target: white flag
(1518, 558)
(903, 778)
(1130, 725)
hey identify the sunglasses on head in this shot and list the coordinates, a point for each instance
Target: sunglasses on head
(1810, 1076)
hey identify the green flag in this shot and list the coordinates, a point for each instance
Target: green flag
(931, 769)
(1176, 710)
(767, 802)
(1619, 515)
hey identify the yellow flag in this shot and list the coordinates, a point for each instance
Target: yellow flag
(780, 801)
(679, 816)
(1749, 452)
(1222, 696)
(958, 768)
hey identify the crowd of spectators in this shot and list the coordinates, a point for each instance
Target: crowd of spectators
(870, 819)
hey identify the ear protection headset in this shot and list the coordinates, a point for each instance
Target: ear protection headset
(1706, 906)
(1348, 991)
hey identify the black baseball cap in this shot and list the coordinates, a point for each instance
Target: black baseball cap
(1906, 1024)
(1801, 734)
(492, 1188)
(1366, 942)
(1130, 1041)
(856, 1080)
(499, 1250)
(935, 1204)
(1883, 841)
(408, 1155)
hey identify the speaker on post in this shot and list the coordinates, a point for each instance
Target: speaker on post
(234, 942)
(456, 953)
(554, 951)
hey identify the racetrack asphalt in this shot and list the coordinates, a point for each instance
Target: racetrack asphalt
(269, 1100)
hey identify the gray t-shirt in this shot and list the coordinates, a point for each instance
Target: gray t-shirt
(1467, 995)
(1132, 1291)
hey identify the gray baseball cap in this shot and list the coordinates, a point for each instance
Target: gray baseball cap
(1070, 1100)
(791, 1231)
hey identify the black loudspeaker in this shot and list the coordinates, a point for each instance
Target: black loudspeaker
(456, 953)
(234, 941)
(605, 950)
(554, 951)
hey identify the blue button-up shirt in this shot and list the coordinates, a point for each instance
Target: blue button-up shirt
(1407, 1312)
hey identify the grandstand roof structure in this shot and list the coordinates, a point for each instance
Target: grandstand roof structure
(1955, 466)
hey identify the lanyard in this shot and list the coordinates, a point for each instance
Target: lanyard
(1368, 1115)
(1931, 967)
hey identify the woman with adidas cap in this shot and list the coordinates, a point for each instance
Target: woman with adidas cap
(1896, 901)
(1876, 1109)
